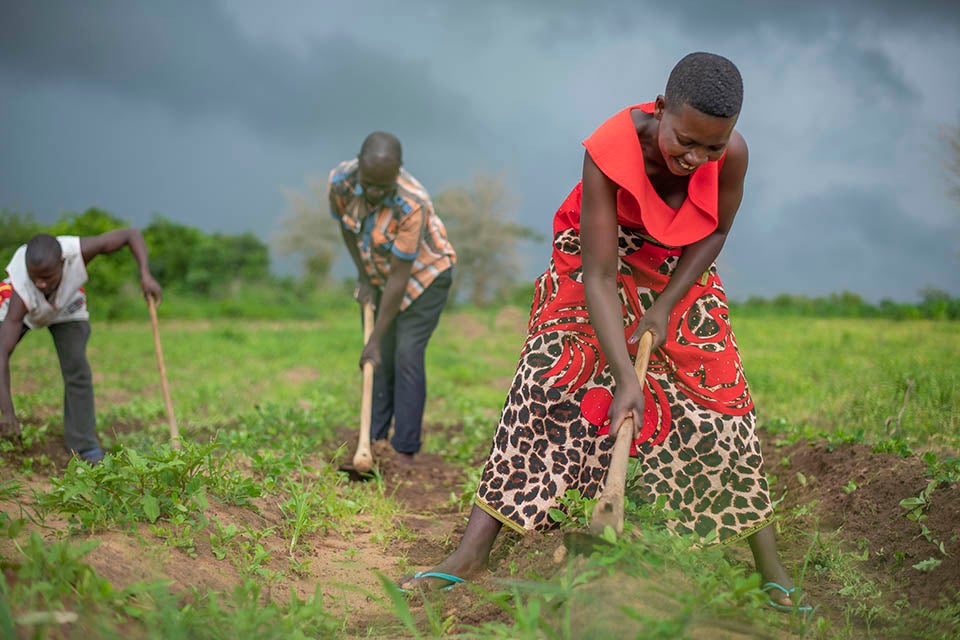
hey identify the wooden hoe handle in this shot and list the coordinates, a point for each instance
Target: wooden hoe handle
(609, 508)
(362, 459)
(174, 431)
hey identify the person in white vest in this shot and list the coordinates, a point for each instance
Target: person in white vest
(44, 288)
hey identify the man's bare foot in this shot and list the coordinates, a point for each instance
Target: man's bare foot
(405, 458)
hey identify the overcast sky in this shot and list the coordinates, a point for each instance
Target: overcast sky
(203, 111)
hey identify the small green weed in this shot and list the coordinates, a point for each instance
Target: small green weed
(222, 538)
(48, 572)
(244, 547)
(129, 487)
(243, 613)
(303, 511)
(180, 531)
(916, 509)
(864, 596)
(945, 471)
(576, 510)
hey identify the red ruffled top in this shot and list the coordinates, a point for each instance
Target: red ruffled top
(615, 149)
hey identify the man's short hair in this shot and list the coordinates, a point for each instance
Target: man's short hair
(708, 82)
(43, 250)
(382, 145)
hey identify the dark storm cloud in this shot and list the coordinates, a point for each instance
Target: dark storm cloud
(871, 71)
(867, 67)
(189, 57)
(717, 17)
(813, 15)
(235, 98)
(723, 26)
(844, 239)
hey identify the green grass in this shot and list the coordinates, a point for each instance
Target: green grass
(840, 376)
(849, 377)
(258, 403)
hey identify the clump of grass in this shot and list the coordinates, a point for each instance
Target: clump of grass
(129, 487)
(54, 588)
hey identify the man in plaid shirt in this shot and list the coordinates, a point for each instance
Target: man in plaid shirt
(404, 267)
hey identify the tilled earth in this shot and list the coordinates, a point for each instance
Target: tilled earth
(847, 492)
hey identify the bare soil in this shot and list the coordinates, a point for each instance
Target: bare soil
(346, 563)
(869, 517)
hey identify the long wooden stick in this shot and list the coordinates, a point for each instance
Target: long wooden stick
(362, 459)
(609, 508)
(174, 431)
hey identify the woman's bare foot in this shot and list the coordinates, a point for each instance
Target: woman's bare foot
(468, 561)
(457, 565)
(774, 573)
(776, 582)
(785, 599)
(778, 590)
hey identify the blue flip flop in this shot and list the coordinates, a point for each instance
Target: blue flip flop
(786, 608)
(452, 579)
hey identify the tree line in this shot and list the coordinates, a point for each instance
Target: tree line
(230, 274)
(934, 304)
(217, 274)
(182, 258)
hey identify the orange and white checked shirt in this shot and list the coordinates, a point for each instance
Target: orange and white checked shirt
(405, 225)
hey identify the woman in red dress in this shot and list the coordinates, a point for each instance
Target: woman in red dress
(633, 251)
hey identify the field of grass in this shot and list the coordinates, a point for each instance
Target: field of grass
(850, 376)
(250, 531)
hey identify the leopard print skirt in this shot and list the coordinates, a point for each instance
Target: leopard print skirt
(697, 446)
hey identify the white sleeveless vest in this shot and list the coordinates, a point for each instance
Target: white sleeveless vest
(69, 302)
